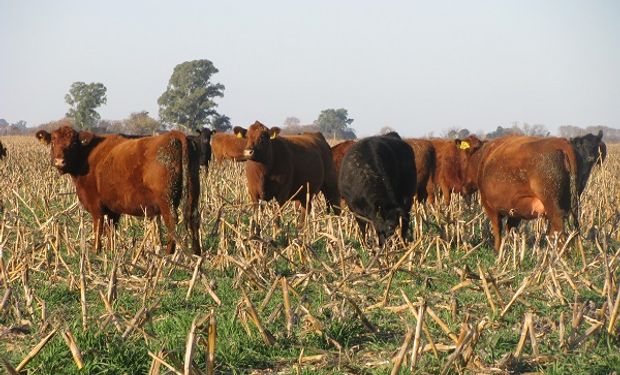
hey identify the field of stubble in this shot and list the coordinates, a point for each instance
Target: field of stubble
(274, 294)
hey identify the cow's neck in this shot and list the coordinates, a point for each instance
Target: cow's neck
(471, 168)
(82, 166)
(258, 175)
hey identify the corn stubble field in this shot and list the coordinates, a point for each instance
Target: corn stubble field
(277, 294)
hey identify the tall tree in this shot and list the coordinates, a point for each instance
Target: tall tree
(221, 123)
(188, 100)
(83, 99)
(335, 123)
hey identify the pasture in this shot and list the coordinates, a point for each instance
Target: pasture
(274, 293)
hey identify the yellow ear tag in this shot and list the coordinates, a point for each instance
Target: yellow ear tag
(274, 135)
(464, 145)
(239, 135)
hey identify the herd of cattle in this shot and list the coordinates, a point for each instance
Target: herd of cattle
(518, 177)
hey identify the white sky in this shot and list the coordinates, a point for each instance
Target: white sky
(415, 66)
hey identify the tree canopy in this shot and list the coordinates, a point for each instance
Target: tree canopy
(83, 99)
(538, 130)
(335, 123)
(386, 129)
(221, 123)
(188, 99)
(141, 123)
(291, 121)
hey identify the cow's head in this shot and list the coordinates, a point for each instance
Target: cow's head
(258, 144)
(469, 157)
(67, 146)
(2, 151)
(204, 144)
(386, 222)
(589, 150)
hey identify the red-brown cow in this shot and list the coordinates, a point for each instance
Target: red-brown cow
(228, 146)
(425, 161)
(338, 152)
(523, 177)
(116, 175)
(283, 167)
(2, 151)
(448, 176)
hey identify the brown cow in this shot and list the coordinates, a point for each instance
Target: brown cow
(338, 152)
(425, 161)
(2, 151)
(528, 177)
(116, 175)
(282, 167)
(448, 176)
(228, 146)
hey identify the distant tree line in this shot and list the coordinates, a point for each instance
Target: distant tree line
(610, 135)
(16, 128)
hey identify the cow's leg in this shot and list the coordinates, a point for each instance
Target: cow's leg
(304, 205)
(191, 215)
(430, 191)
(556, 223)
(194, 228)
(512, 222)
(422, 193)
(496, 224)
(169, 215)
(405, 218)
(446, 191)
(332, 196)
(98, 229)
(109, 226)
(404, 230)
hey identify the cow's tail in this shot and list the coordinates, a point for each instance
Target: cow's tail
(190, 188)
(574, 195)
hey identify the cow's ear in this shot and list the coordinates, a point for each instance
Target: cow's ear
(239, 131)
(198, 131)
(86, 138)
(273, 132)
(44, 137)
(463, 145)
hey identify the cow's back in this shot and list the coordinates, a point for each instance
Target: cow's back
(227, 146)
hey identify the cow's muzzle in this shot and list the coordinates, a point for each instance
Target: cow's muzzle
(59, 163)
(248, 153)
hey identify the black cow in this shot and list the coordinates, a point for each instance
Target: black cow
(378, 180)
(2, 151)
(203, 142)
